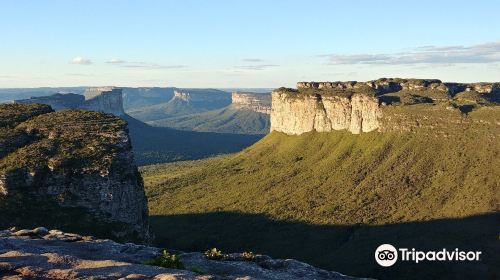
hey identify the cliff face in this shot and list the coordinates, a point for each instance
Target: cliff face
(103, 99)
(180, 95)
(72, 170)
(291, 115)
(366, 106)
(106, 100)
(260, 103)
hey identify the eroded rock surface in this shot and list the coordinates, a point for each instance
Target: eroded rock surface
(385, 85)
(53, 254)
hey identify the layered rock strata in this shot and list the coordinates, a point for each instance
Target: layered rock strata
(357, 113)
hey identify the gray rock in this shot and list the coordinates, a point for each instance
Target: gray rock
(23, 257)
(41, 231)
(24, 232)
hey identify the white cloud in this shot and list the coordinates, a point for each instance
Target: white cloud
(142, 64)
(80, 61)
(150, 66)
(116, 61)
(481, 53)
(256, 67)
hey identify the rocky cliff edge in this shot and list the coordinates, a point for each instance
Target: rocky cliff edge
(367, 106)
(44, 254)
(71, 169)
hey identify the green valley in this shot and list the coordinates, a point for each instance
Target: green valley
(319, 196)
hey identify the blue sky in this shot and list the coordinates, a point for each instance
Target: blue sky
(254, 43)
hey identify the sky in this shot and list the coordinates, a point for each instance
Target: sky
(253, 43)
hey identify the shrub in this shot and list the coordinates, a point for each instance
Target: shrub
(214, 254)
(166, 260)
(248, 256)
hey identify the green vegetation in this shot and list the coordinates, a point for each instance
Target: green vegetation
(331, 198)
(226, 120)
(172, 108)
(308, 92)
(201, 100)
(41, 149)
(214, 254)
(166, 260)
(72, 138)
(407, 97)
(248, 256)
(13, 114)
(161, 144)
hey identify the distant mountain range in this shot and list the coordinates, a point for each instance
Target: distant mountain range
(161, 144)
(191, 109)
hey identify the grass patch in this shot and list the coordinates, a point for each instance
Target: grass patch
(330, 198)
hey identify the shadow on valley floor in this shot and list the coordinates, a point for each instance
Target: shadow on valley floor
(346, 249)
(153, 145)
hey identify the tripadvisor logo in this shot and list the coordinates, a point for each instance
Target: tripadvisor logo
(387, 255)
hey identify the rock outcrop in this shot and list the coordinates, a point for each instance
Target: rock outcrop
(386, 85)
(44, 254)
(184, 96)
(102, 99)
(71, 169)
(359, 106)
(258, 102)
(209, 99)
(296, 115)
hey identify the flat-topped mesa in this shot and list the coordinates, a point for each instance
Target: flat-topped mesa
(356, 113)
(57, 101)
(196, 95)
(104, 99)
(202, 99)
(100, 99)
(258, 102)
(361, 106)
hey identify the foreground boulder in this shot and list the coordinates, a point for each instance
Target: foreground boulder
(71, 169)
(44, 254)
